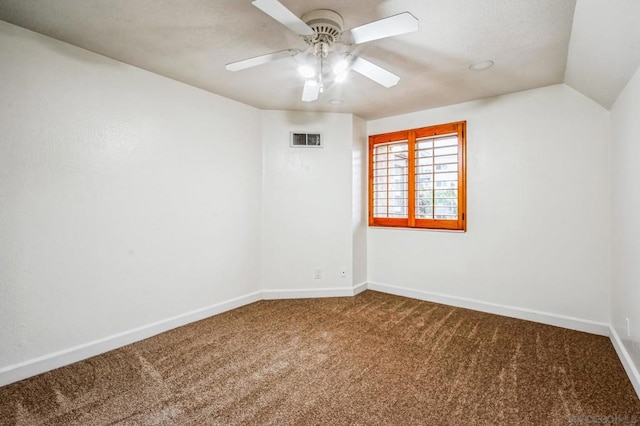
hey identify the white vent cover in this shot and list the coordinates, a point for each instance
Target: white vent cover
(306, 140)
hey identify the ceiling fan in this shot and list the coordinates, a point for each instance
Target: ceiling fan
(322, 30)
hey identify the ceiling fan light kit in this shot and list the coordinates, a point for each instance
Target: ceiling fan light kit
(321, 29)
(307, 71)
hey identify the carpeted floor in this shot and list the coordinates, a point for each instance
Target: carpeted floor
(371, 359)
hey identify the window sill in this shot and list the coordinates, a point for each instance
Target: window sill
(405, 228)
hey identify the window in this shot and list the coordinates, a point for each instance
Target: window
(417, 178)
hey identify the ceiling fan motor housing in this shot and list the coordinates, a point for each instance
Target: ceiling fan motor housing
(326, 24)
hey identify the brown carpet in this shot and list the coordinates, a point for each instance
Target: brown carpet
(371, 359)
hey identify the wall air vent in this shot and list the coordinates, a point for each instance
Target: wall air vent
(306, 140)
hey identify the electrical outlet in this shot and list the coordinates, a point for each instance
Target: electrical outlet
(628, 328)
(317, 274)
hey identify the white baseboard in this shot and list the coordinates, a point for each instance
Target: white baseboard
(29, 368)
(32, 367)
(625, 358)
(571, 323)
(359, 288)
(314, 292)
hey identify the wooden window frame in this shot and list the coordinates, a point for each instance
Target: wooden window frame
(459, 128)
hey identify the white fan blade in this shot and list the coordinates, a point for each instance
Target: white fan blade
(311, 91)
(277, 11)
(375, 73)
(392, 26)
(262, 59)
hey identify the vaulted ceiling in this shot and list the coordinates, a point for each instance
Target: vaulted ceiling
(592, 45)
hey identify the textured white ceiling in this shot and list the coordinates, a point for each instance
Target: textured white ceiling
(192, 40)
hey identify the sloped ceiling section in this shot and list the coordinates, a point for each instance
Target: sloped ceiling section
(604, 51)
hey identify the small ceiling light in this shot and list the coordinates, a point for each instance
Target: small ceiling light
(306, 71)
(481, 66)
(335, 101)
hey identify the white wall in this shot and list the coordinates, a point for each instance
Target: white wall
(538, 212)
(359, 201)
(307, 203)
(125, 197)
(625, 152)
